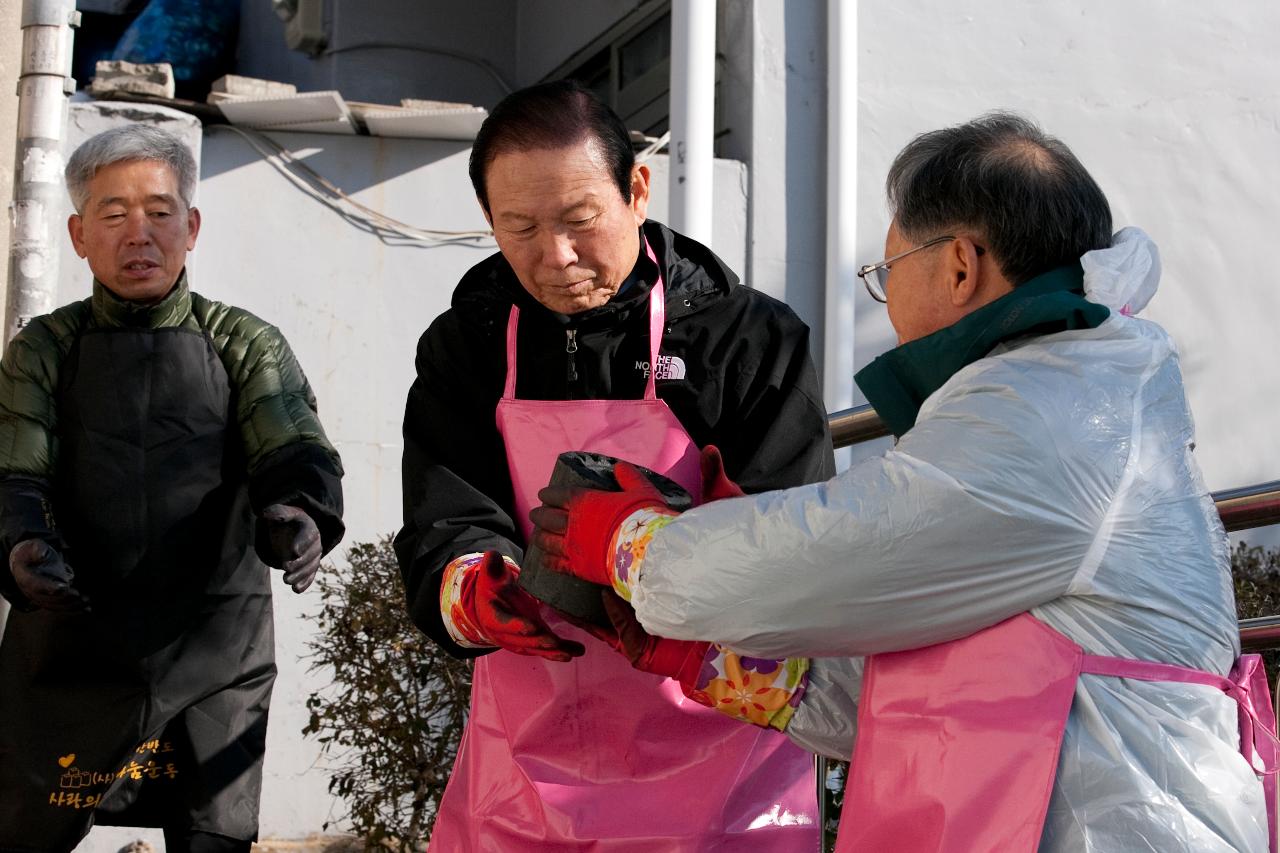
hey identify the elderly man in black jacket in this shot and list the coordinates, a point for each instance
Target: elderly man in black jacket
(568, 300)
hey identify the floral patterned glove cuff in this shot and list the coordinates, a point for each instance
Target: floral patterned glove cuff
(761, 691)
(631, 541)
(456, 589)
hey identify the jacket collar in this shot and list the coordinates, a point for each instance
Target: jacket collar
(110, 311)
(897, 383)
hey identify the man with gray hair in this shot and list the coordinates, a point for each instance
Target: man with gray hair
(1019, 620)
(154, 446)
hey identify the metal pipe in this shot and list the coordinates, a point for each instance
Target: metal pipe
(44, 83)
(1259, 634)
(693, 97)
(852, 426)
(1252, 506)
(842, 202)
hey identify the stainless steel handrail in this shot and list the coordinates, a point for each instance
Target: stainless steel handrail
(1260, 634)
(1252, 506)
(1240, 509)
(851, 426)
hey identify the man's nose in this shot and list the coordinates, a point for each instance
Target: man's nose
(559, 250)
(137, 230)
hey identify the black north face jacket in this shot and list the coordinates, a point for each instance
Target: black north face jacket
(748, 386)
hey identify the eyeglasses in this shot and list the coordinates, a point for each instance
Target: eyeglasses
(876, 276)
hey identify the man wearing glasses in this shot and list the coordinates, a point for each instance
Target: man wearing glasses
(1025, 604)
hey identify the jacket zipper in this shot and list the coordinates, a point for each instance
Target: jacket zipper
(571, 347)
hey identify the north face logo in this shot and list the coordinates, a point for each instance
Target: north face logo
(669, 367)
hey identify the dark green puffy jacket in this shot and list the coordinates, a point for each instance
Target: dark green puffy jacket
(289, 459)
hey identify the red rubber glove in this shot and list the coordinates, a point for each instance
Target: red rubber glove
(508, 616)
(678, 659)
(716, 484)
(576, 525)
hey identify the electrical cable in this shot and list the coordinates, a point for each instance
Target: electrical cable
(385, 228)
(440, 51)
(653, 147)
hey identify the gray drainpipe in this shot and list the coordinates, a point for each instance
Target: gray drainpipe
(44, 83)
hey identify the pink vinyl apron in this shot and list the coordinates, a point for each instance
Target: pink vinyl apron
(955, 755)
(593, 755)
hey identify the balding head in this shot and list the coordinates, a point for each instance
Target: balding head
(1006, 182)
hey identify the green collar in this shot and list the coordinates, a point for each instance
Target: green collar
(110, 311)
(898, 382)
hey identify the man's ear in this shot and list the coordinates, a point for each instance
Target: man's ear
(75, 227)
(193, 227)
(964, 271)
(640, 192)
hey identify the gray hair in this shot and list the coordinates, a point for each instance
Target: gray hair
(1022, 191)
(129, 142)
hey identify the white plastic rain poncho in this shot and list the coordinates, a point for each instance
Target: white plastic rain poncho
(1053, 476)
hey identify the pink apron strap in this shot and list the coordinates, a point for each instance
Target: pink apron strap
(1247, 684)
(657, 321)
(513, 322)
(1257, 718)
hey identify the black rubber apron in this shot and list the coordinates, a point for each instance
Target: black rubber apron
(152, 709)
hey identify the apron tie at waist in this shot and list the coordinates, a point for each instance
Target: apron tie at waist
(1241, 684)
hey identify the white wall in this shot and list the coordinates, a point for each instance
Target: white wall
(1175, 108)
(774, 73)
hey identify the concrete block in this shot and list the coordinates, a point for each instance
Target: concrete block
(420, 104)
(251, 87)
(117, 77)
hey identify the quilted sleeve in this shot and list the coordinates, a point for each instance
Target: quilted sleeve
(290, 460)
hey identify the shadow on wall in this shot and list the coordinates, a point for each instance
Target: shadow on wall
(363, 162)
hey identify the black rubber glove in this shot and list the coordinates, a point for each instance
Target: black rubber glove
(288, 539)
(45, 578)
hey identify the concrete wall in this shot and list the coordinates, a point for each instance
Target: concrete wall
(352, 308)
(774, 79)
(1175, 108)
